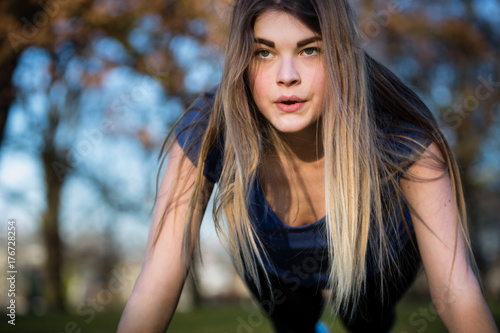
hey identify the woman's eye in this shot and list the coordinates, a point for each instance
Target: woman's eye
(310, 51)
(263, 54)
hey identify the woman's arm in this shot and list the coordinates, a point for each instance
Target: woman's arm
(459, 301)
(159, 285)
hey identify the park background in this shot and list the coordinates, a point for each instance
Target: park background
(88, 92)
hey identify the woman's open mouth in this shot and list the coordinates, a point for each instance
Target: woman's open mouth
(290, 103)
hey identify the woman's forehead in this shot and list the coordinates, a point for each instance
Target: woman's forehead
(275, 25)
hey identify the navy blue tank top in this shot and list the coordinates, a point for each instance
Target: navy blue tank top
(296, 254)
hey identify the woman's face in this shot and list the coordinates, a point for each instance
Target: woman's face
(287, 72)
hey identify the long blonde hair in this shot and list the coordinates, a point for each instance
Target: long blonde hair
(362, 168)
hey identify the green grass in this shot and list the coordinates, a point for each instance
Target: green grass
(103, 322)
(413, 316)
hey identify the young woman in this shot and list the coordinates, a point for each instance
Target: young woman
(331, 174)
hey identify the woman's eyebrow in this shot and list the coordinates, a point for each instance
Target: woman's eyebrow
(306, 41)
(265, 42)
(300, 43)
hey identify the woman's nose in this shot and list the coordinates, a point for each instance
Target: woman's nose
(288, 74)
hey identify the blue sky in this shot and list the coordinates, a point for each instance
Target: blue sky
(118, 158)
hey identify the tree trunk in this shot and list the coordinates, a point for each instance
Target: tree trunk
(50, 232)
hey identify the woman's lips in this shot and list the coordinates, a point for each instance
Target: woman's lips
(289, 103)
(290, 107)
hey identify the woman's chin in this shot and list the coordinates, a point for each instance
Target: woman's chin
(295, 128)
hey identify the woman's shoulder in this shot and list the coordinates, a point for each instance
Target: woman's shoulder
(196, 116)
(201, 108)
(403, 138)
(205, 101)
(190, 129)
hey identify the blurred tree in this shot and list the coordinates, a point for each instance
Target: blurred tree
(52, 151)
(84, 41)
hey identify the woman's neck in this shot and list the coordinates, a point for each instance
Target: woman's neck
(305, 146)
